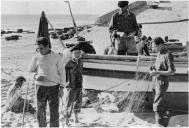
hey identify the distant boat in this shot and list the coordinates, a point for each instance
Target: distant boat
(12, 37)
(153, 4)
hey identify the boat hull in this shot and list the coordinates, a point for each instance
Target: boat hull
(119, 74)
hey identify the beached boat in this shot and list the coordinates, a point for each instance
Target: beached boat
(117, 73)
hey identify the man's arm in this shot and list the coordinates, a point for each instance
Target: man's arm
(61, 70)
(135, 25)
(62, 73)
(113, 24)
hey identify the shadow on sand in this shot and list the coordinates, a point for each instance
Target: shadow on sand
(170, 113)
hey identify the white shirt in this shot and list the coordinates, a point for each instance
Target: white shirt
(51, 66)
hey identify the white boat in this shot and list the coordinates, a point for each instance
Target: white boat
(117, 73)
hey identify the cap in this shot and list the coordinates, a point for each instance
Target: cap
(122, 4)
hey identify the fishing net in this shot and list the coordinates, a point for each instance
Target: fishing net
(134, 101)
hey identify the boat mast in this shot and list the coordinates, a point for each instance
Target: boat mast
(73, 20)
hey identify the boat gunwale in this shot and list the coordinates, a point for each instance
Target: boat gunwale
(131, 58)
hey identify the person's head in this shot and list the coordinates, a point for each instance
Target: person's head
(166, 39)
(76, 52)
(42, 45)
(144, 38)
(149, 38)
(123, 5)
(159, 42)
(19, 81)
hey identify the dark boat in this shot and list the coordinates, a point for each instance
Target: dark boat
(13, 37)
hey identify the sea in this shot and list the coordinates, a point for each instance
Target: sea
(24, 47)
(31, 22)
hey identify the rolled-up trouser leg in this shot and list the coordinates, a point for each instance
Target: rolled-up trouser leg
(159, 90)
(53, 100)
(78, 101)
(159, 118)
(159, 98)
(158, 102)
(68, 102)
(41, 105)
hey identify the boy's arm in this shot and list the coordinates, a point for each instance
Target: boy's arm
(171, 68)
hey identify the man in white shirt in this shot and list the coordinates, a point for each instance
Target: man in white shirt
(50, 79)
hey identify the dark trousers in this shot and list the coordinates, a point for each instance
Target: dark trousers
(127, 46)
(49, 94)
(72, 100)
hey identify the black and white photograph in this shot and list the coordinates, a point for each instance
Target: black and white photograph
(94, 63)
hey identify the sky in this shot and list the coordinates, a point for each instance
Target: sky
(57, 6)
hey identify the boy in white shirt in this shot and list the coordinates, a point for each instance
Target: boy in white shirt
(50, 79)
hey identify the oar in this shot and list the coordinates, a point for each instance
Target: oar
(25, 104)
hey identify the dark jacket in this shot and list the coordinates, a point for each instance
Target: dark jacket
(74, 74)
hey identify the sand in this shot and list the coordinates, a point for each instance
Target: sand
(14, 62)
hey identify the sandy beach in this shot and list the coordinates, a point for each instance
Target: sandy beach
(15, 60)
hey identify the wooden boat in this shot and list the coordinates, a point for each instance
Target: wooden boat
(117, 73)
(12, 37)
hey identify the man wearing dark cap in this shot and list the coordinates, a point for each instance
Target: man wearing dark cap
(50, 78)
(73, 91)
(164, 67)
(124, 22)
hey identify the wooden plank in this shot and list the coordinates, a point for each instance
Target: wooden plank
(105, 83)
(127, 58)
(122, 74)
(133, 63)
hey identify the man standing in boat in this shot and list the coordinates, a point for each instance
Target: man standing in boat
(125, 25)
(164, 67)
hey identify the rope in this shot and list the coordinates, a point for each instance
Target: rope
(163, 22)
(179, 110)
